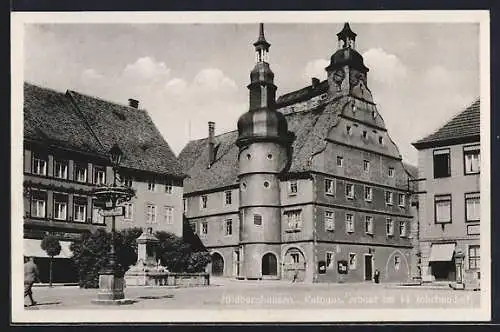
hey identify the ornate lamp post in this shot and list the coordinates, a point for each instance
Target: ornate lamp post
(111, 282)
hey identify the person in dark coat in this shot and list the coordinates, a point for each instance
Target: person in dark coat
(30, 277)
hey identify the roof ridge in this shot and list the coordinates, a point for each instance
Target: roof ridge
(107, 101)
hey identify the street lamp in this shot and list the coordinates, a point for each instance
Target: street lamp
(111, 282)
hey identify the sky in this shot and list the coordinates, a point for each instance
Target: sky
(184, 75)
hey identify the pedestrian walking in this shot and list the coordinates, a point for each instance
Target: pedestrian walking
(30, 276)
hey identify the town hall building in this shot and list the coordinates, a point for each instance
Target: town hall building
(310, 185)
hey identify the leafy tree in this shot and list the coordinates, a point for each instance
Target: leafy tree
(50, 244)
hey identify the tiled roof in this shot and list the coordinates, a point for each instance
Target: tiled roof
(302, 94)
(464, 125)
(310, 128)
(90, 124)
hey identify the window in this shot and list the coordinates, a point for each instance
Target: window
(474, 257)
(292, 187)
(228, 227)
(97, 217)
(294, 219)
(329, 187)
(129, 211)
(204, 228)
(169, 215)
(99, 176)
(366, 166)
(368, 194)
(388, 197)
(472, 207)
(368, 224)
(472, 161)
(349, 223)
(353, 261)
(203, 201)
(365, 134)
(151, 185)
(38, 204)
(193, 224)
(397, 262)
(329, 220)
(257, 219)
(61, 169)
(348, 130)
(402, 229)
(389, 227)
(184, 205)
(442, 208)
(349, 190)
(39, 164)
(81, 172)
(127, 181)
(329, 258)
(401, 200)
(80, 209)
(168, 187)
(340, 161)
(60, 207)
(391, 172)
(295, 257)
(380, 140)
(442, 163)
(150, 214)
(228, 197)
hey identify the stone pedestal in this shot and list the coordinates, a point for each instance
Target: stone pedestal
(111, 290)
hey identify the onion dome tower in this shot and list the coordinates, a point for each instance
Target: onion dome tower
(347, 71)
(264, 152)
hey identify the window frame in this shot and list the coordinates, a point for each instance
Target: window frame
(387, 222)
(96, 207)
(401, 203)
(341, 159)
(203, 202)
(391, 196)
(151, 211)
(468, 150)
(168, 221)
(128, 207)
(370, 190)
(56, 210)
(291, 185)
(169, 186)
(476, 259)
(228, 222)
(366, 166)
(440, 151)
(65, 168)
(331, 221)
(151, 185)
(39, 157)
(472, 194)
(78, 167)
(296, 222)
(228, 194)
(436, 200)
(346, 191)
(84, 204)
(390, 172)
(403, 223)
(98, 170)
(355, 265)
(333, 187)
(204, 229)
(329, 256)
(397, 262)
(351, 222)
(371, 229)
(257, 216)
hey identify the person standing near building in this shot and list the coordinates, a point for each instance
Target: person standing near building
(30, 276)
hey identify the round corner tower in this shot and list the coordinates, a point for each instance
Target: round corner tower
(264, 151)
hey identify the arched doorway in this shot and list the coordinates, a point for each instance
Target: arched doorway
(294, 263)
(217, 264)
(269, 265)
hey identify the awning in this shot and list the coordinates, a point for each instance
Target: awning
(442, 252)
(33, 248)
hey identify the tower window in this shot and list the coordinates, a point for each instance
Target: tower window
(340, 161)
(365, 134)
(270, 156)
(292, 187)
(266, 184)
(294, 219)
(391, 172)
(348, 130)
(248, 156)
(366, 166)
(380, 140)
(204, 200)
(257, 219)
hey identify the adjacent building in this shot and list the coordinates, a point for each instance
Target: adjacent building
(309, 185)
(67, 138)
(449, 199)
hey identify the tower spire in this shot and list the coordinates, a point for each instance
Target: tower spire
(261, 46)
(346, 37)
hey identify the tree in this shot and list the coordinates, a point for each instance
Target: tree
(50, 244)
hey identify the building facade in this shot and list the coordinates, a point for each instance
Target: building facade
(67, 137)
(449, 199)
(310, 186)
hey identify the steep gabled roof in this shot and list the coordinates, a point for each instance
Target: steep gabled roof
(90, 124)
(465, 125)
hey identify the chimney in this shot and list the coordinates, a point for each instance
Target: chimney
(314, 82)
(133, 103)
(211, 143)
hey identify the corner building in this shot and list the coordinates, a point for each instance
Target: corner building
(309, 181)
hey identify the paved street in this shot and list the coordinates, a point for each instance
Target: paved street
(232, 294)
